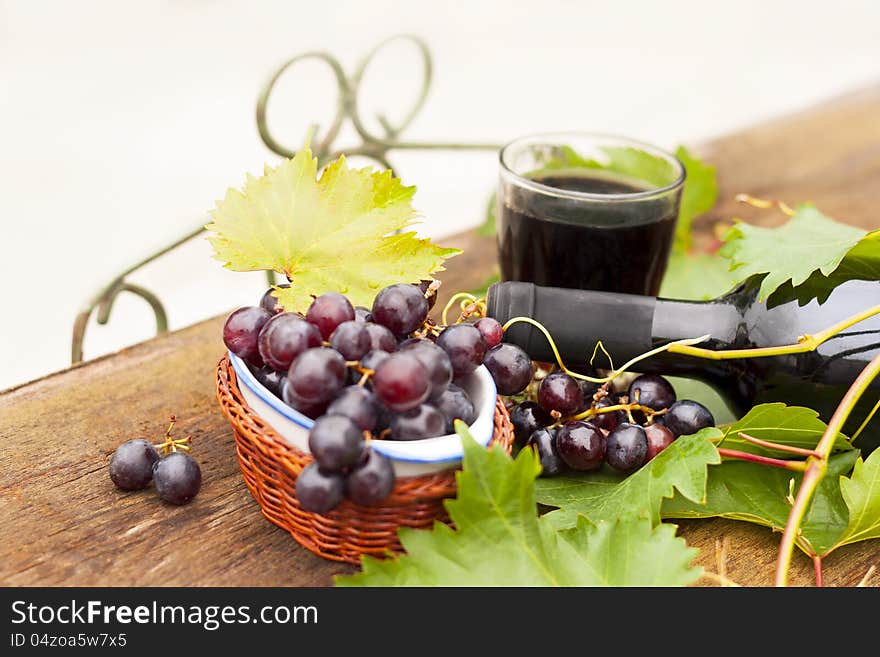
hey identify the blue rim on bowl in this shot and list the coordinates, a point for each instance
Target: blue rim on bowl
(440, 450)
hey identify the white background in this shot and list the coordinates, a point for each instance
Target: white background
(122, 122)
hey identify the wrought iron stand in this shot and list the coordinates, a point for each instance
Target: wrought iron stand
(372, 146)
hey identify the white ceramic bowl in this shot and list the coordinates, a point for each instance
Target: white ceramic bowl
(409, 457)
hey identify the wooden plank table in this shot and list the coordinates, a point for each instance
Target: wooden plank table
(62, 522)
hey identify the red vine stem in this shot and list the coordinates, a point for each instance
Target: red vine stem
(816, 468)
(817, 568)
(782, 448)
(799, 466)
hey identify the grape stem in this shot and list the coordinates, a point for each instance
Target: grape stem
(816, 468)
(170, 444)
(628, 408)
(761, 203)
(365, 373)
(805, 342)
(616, 373)
(455, 297)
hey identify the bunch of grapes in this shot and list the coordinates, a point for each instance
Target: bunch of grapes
(580, 425)
(382, 372)
(176, 474)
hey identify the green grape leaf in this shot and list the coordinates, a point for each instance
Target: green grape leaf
(861, 492)
(697, 276)
(697, 197)
(499, 540)
(602, 496)
(805, 251)
(795, 426)
(756, 493)
(332, 233)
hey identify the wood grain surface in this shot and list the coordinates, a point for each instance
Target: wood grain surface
(62, 522)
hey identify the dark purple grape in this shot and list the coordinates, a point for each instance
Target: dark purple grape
(581, 445)
(430, 297)
(131, 466)
(362, 314)
(434, 359)
(401, 382)
(317, 375)
(686, 417)
(381, 338)
(336, 442)
(607, 421)
(511, 368)
(317, 491)
(465, 346)
(491, 330)
(284, 337)
(358, 404)
(351, 339)
(177, 477)
(269, 302)
(271, 380)
(455, 404)
(653, 391)
(626, 448)
(559, 392)
(372, 359)
(527, 418)
(372, 480)
(241, 333)
(659, 438)
(312, 410)
(401, 308)
(424, 421)
(543, 441)
(329, 311)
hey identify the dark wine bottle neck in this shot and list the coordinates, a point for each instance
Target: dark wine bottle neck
(628, 325)
(724, 322)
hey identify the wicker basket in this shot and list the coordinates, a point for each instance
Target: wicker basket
(270, 467)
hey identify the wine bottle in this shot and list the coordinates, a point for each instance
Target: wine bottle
(630, 325)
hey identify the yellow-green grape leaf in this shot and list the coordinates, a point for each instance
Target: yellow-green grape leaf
(809, 243)
(861, 493)
(327, 233)
(499, 540)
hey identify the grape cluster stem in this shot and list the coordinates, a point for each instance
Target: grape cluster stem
(627, 408)
(469, 305)
(170, 444)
